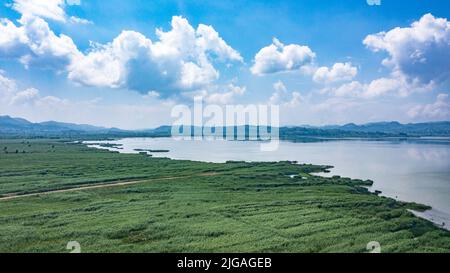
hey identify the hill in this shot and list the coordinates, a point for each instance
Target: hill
(18, 127)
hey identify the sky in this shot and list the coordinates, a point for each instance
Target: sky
(126, 64)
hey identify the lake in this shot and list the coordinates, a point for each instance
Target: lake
(410, 170)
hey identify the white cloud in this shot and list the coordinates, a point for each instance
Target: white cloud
(225, 97)
(13, 41)
(81, 21)
(179, 61)
(12, 96)
(419, 57)
(8, 88)
(209, 40)
(419, 53)
(375, 88)
(33, 43)
(382, 86)
(440, 109)
(51, 102)
(25, 97)
(51, 9)
(278, 57)
(283, 97)
(279, 86)
(48, 9)
(339, 72)
(107, 65)
(296, 99)
(352, 89)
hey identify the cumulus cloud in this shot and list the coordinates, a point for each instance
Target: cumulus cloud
(283, 97)
(339, 72)
(13, 41)
(81, 21)
(419, 53)
(440, 109)
(225, 97)
(48, 9)
(51, 102)
(51, 9)
(375, 88)
(208, 40)
(25, 97)
(278, 57)
(383, 86)
(419, 57)
(179, 61)
(108, 65)
(33, 43)
(11, 95)
(8, 89)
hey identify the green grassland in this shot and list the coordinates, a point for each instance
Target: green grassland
(232, 207)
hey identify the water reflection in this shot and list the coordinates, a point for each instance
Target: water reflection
(434, 156)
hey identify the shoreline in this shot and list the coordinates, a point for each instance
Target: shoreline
(339, 214)
(431, 216)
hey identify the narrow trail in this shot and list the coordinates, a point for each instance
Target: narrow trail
(108, 185)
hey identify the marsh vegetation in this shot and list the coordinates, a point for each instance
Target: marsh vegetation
(239, 207)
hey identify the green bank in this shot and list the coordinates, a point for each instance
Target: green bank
(183, 206)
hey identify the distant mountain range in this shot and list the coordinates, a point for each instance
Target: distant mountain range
(18, 127)
(415, 129)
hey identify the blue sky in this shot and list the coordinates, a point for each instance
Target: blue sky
(323, 62)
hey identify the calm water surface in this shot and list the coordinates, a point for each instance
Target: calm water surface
(415, 171)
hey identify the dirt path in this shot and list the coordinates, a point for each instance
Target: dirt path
(109, 185)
